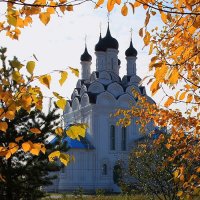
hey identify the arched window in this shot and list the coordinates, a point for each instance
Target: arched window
(123, 139)
(104, 169)
(112, 137)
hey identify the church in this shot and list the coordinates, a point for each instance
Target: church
(97, 95)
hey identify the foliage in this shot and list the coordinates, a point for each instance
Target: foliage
(16, 94)
(152, 174)
(24, 173)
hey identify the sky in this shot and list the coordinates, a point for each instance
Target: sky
(61, 43)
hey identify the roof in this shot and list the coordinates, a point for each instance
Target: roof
(83, 143)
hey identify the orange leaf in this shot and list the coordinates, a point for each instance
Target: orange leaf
(3, 126)
(110, 5)
(169, 101)
(136, 4)
(164, 17)
(100, 2)
(147, 38)
(26, 146)
(35, 130)
(70, 8)
(124, 10)
(182, 96)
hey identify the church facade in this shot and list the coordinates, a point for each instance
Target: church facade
(97, 95)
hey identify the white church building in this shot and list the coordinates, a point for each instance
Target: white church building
(97, 95)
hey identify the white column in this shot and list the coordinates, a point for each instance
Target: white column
(100, 60)
(85, 73)
(131, 65)
(112, 60)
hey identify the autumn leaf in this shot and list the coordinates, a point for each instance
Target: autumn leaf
(182, 96)
(75, 71)
(70, 8)
(147, 38)
(59, 131)
(26, 146)
(10, 115)
(13, 147)
(61, 103)
(3, 126)
(64, 158)
(76, 130)
(99, 3)
(110, 5)
(169, 101)
(35, 130)
(164, 17)
(141, 32)
(44, 17)
(124, 10)
(45, 80)
(63, 77)
(30, 66)
(53, 155)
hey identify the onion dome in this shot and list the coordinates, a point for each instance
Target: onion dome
(131, 51)
(86, 56)
(98, 46)
(119, 62)
(107, 42)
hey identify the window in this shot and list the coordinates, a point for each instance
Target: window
(104, 169)
(123, 141)
(112, 137)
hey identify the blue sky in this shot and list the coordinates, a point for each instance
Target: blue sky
(61, 42)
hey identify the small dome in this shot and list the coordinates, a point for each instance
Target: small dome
(86, 56)
(107, 42)
(131, 51)
(98, 46)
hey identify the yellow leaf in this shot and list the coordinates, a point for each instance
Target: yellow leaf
(8, 155)
(44, 17)
(169, 101)
(70, 8)
(53, 155)
(100, 2)
(45, 80)
(13, 147)
(59, 131)
(110, 5)
(151, 49)
(124, 10)
(75, 71)
(176, 173)
(10, 115)
(180, 193)
(76, 130)
(173, 79)
(12, 20)
(147, 38)
(64, 158)
(16, 76)
(3, 126)
(63, 77)
(164, 17)
(43, 150)
(61, 103)
(62, 9)
(35, 130)
(182, 96)
(30, 66)
(198, 170)
(26, 146)
(57, 95)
